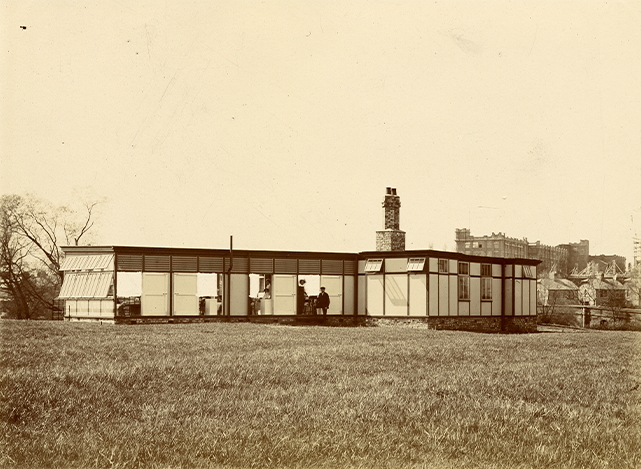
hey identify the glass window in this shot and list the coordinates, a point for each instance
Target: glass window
(442, 266)
(416, 264)
(464, 281)
(486, 270)
(464, 288)
(373, 265)
(527, 271)
(486, 288)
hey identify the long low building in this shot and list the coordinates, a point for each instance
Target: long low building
(444, 290)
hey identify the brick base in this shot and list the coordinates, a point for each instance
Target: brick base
(451, 323)
(461, 323)
(335, 321)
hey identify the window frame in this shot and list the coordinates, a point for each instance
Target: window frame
(464, 288)
(486, 285)
(416, 264)
(463, 281)
(443, 266)
(373, 266)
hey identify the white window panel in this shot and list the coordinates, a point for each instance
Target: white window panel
(375, 296)
(155, 294)
(284, 294)
(86, 285)
(207, 284)
(416, 264)
(94, 262)
(348, 295)
(373, 265)
(129, 284)
(185, 291)
(396, 303)
(418, 295)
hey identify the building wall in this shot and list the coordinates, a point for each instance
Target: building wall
(415, 284)
(499, 245)
(448, 288)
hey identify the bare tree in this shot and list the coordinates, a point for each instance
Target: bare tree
(47, 227)
(554, 305)
(32, 233)
(613, 300)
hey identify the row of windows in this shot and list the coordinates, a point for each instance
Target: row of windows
(417, 265)
(414, 264)
(476, 244)
(464, 288)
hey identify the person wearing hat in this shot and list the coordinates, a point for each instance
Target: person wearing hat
(323, 301)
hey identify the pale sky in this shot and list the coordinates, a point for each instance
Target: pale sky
(282, 123)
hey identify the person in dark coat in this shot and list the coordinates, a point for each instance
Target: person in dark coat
(323, 301)
(301, 296)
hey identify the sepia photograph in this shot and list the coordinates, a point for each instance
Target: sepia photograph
(320, 234)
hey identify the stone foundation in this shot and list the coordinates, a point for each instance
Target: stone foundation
(334, 321)
(460, 323)
(451, 323)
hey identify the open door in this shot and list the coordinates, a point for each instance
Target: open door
(334, 288)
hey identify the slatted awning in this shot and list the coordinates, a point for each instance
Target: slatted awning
(94, 262)
(86, 285)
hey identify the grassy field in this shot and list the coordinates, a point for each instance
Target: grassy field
(243, 395)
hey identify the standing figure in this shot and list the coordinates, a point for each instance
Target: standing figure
(301, 296)
(323, 301)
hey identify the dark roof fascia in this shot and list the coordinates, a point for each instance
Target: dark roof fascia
(148, 250)
(87, 249)
(447, 255)
(165, 251)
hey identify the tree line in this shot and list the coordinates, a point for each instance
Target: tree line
(32, 232)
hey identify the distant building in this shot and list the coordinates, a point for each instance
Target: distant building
(578, 255)
(551, 257)
(499, 245)
(553, 289)
(601, 291)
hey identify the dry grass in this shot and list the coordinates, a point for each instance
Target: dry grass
(242, 395)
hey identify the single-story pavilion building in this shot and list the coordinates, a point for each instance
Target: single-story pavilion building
(444, 290)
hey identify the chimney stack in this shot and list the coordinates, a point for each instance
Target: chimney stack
(391, 238)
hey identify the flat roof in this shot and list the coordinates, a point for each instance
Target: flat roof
(156, 250)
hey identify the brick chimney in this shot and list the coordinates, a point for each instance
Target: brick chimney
(391, 238)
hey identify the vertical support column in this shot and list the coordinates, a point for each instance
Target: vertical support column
(343, 297)
(356, 282)
(228, 276)
(503, 296)
(115, 285)
(171, 286)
